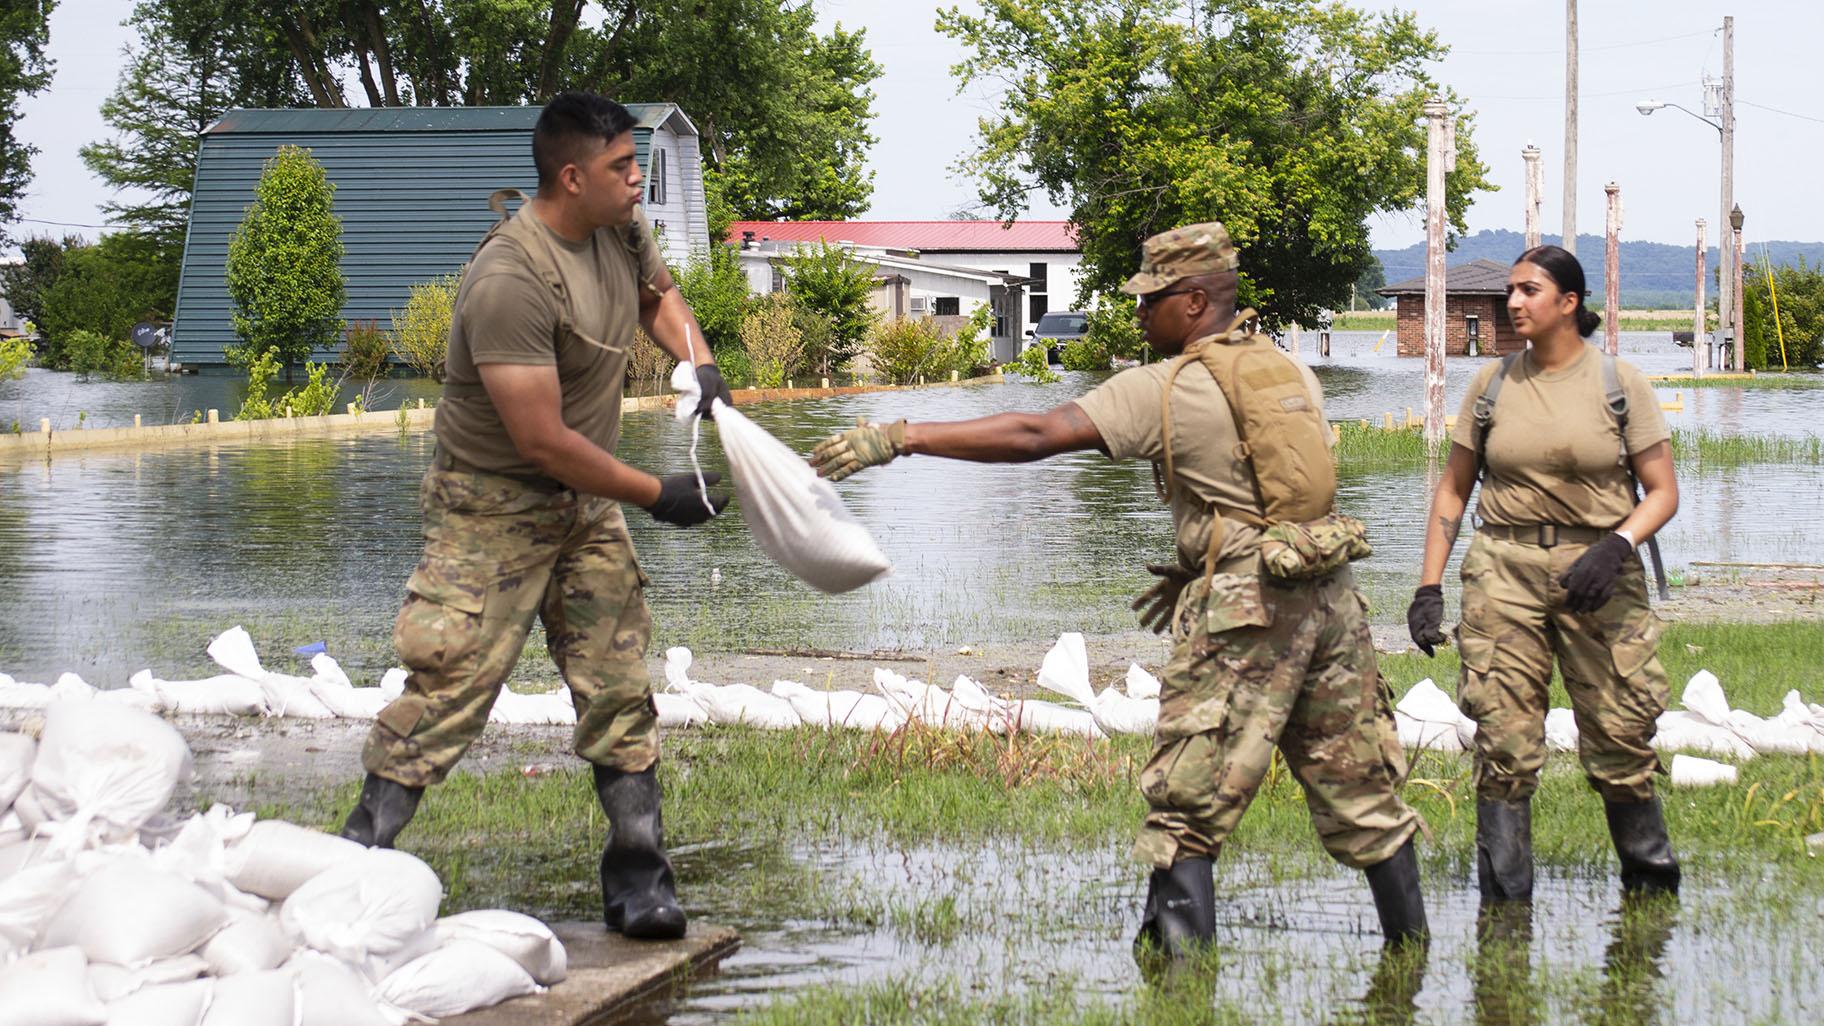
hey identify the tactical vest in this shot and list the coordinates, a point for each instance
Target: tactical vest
(1284, 441)
(535, 242)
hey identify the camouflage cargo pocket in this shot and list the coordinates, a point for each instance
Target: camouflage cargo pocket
(1311, 549)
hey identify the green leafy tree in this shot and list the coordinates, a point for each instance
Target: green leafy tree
(783, 109)
(1800, 289)
(1372, 277)
(714, 285)
(1113, 328)
(1290, 121)
(827, 279)
(283, 263)
(41, 261)
(90, 353)
(105, 289)
(24, 71)
(15, 353)
(773, 342)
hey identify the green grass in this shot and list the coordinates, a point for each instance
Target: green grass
(1361, 448)
(1798, 381)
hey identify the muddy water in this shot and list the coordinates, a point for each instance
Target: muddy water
(114, 561)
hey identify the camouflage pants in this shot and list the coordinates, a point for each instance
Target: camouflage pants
(496, 554)
(1262, 663)
(1514, 624)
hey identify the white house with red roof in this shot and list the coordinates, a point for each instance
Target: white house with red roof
(941, 269)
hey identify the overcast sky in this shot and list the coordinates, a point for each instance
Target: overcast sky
(1506, 61)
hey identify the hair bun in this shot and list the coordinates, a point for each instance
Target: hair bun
(1587, 321)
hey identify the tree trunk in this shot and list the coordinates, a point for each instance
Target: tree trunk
(307, 67)
(564, 16)
(372, 88)
(383, 53)
(440, 78)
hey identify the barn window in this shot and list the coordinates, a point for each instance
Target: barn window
(655, 189)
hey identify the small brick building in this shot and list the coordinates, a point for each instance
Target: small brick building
(1475, 311)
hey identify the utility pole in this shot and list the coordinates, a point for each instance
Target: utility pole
(1440, 154)
(1697, 323)
(1570, 125)
(1611, 276)
(1535, 184)
(1729, 271)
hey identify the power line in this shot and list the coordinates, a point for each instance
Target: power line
(1776, 110)
(1583, 49)
(62, 224)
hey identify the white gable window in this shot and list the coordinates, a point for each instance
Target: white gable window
(655, 186)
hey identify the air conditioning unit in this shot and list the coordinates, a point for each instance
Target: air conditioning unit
(921, 304)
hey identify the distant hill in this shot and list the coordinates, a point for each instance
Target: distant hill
(1653, 274)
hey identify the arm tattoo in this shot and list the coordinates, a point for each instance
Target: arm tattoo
(1450, 528)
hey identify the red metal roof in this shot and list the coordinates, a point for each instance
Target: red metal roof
(930, 236)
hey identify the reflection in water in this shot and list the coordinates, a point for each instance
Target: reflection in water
(1502, 970)
(1632, 966)
(1393, 992)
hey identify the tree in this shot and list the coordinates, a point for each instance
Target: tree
(1800, 289)
(283, 272)
(1371, 278)
(25, 31)
(783, 111)
(826, 279)
(103, 289)
(23, 283)
(1290, 121)
(714, 285)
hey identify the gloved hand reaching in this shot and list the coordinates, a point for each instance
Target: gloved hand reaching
(680, 500)
(709, 379)
(1590, 582)
(864, 445)
(1161, 600)
(1425, 618)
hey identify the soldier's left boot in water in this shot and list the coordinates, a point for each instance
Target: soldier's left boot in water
(1180, 913)
(384, 808)
(1395, 885)
(639, 894)
(1639, 831)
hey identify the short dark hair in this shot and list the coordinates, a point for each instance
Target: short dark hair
(571, 119)
(1562, 267)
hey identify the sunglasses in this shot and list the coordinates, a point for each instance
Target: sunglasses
(1153, 298)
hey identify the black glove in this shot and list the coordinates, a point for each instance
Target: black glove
(1161, 600)
(1590, 581)
(680, 501)
(1425, 618)
(709, 379)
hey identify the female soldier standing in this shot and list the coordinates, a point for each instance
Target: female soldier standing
(1552, 572)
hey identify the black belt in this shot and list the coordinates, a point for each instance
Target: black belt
(1545, 535)
(442, 460)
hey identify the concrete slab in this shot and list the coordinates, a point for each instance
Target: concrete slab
(607, 971)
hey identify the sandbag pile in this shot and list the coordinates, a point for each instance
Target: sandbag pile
(112, 912)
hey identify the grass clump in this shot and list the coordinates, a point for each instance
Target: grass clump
(1769, 381)
(1706, 448)
(1359, 446)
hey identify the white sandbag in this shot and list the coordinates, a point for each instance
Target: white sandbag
(1690, 732)
(1116, 713)
(226, 694)
(71, 688)
(457, 977)
(173, 1004)
(276, 857)
(12, 829)
(1427, 718)
(1065, 669)
(20, 695)
(1691, 771)
(28, 810)
(332, 994)
(22, 854)
(1038, 717)
(349, 703)
(28, 897)
(253, 999)
(198, 850)
(130, 698)
(103, 770)
(250, 943)
(743, 704)
(325, 670)
(926, 703)
(285, 695)
(678, 710)
(131, 913)
(369, 906)
(113, 982)
(233, 651)
(551, 708)
(1704, 697)
(852, 709)
(1425, 735)
(520, 937)
(49, 988)
(392, 682)
(795, 516)
(1141, 684)
(996, 714)
(16, 755)
(1561, 730)
(1774, 736)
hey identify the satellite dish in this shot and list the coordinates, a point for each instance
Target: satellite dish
(150, 335)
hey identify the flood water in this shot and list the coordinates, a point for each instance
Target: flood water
(114, 561)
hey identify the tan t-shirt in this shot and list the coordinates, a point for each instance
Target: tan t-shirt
(506, 314)
(1553, 452)
(1126, 410)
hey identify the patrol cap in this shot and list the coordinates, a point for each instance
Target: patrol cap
(1182, 253)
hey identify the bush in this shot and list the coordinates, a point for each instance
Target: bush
(773, 343)
(1031, 364)
(903, 350)
(1082, 354)
(828, 280)
(1114, 328)
(646, 362)
(104, 289)
(89, 353)
(1800, 290)
(15, 353)
(817, 332)
(364, 350)
(312, 399)
(714, 285)
(284, 262)
(735, 367)
(421, 331)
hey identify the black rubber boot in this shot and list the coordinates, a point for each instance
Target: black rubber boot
(385, 807)
(1504, 850)
(1647, 863)
(639, 894)
(1180, 913)
(1395, 885)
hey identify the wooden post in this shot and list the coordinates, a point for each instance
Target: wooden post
(1697, 316)
(1295, 345)
(1570, 125)
(1729, 267)
(826, 382)
(44, 425)
(1440, 154)
(1611, 276)
(136, 422)
(1535, 183)
(215, 417)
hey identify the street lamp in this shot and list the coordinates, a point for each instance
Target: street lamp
(1647, 107)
